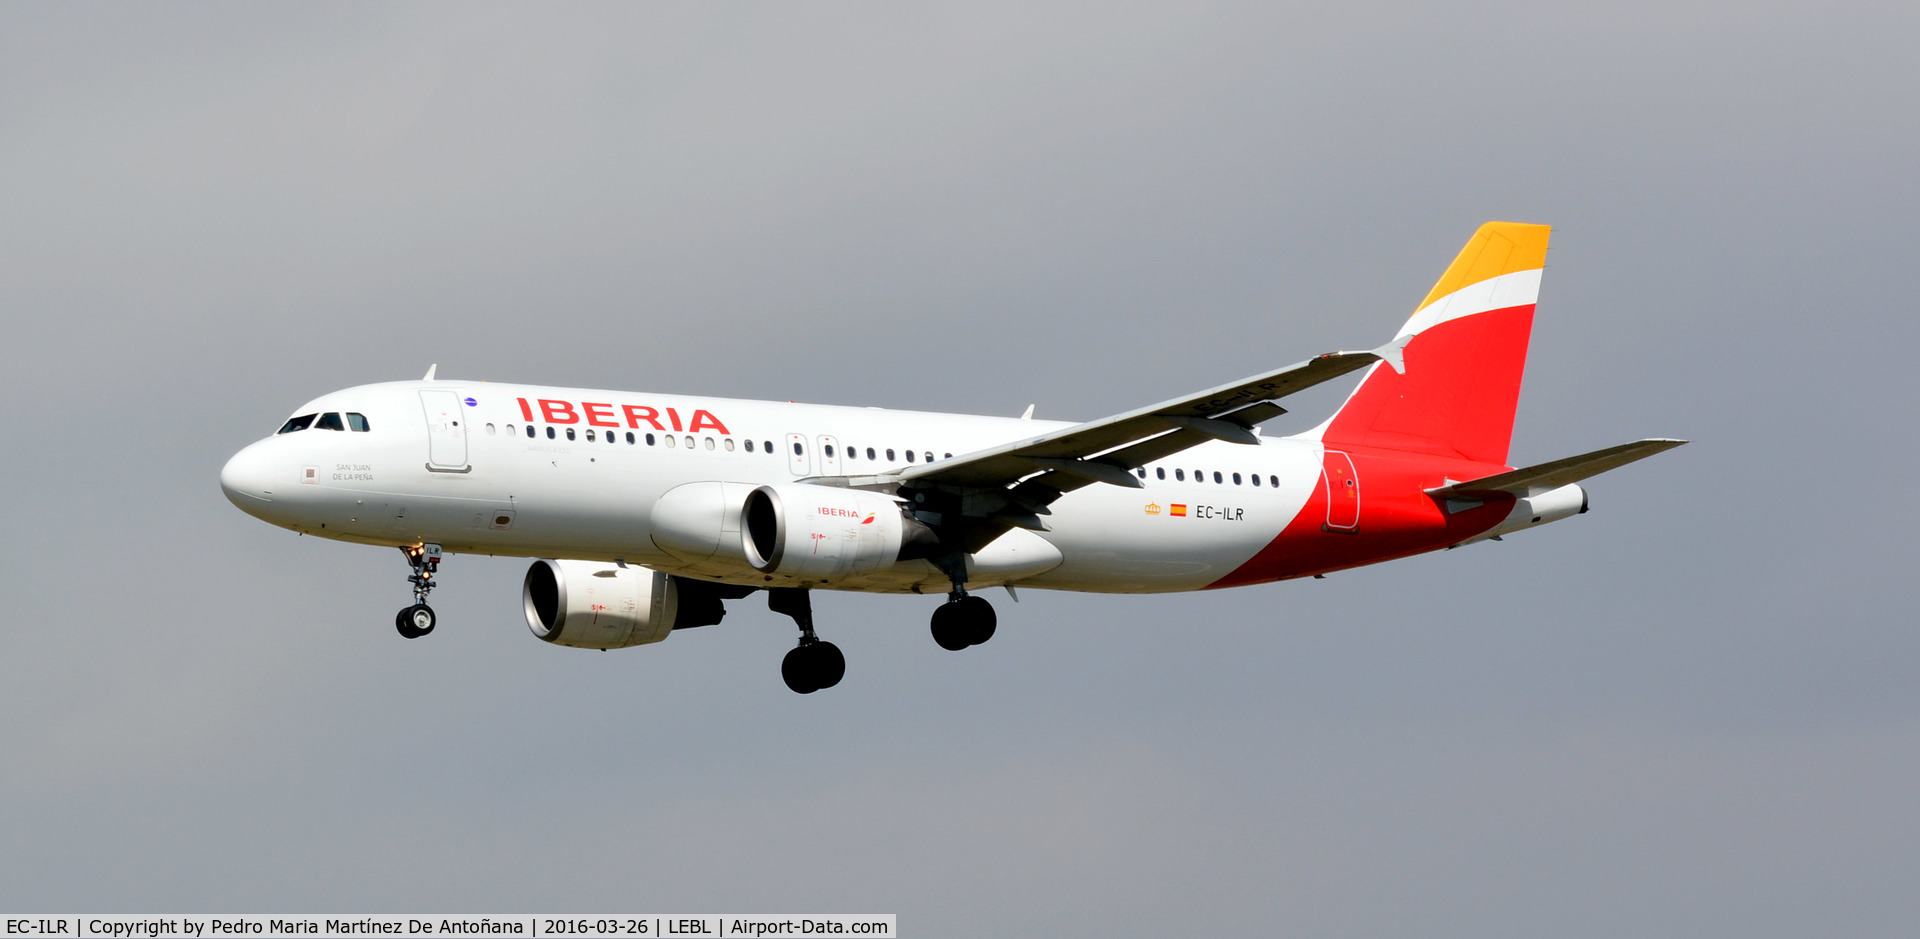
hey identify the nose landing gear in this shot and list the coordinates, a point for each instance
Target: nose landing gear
(815, 663)
(418, 620)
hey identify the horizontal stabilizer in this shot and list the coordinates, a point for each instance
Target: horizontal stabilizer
(1533, 480)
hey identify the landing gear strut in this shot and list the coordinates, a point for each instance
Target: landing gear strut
(418, 620)
(815, 663)
(964, 620)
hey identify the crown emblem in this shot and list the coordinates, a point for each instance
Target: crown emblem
(1153, 508)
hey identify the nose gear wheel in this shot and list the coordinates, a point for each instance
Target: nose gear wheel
(419, 619)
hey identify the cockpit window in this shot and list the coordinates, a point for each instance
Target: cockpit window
(358, 422)
(298, 423)
(329, 421)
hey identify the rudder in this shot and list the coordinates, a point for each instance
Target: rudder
(1464, 353)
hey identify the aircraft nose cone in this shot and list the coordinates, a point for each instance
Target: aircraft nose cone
(247, 479)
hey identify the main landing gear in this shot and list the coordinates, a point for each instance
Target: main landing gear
(418, 620)
(815, 663)
(964, 620)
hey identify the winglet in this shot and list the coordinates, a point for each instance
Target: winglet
(430, 370)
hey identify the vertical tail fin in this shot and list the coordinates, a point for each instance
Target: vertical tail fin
(1464, 352)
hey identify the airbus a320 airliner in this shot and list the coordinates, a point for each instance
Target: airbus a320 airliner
(646, 512)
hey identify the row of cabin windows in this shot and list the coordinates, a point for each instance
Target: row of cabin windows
(853, 453)
(328, 421)
(1200, 476)
(726, 443)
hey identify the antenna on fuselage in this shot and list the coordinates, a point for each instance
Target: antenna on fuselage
(430, 370)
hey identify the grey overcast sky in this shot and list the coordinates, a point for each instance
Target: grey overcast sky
(1693, 711)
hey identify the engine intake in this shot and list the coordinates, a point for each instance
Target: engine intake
(596, 605)
(802, 530)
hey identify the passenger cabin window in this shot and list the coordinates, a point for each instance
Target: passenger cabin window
(570, 433)
(727, 442)
(299, 423)
(767, 445)
(1160, 473)
(1273, 481)
(870, 455)
(1180, 475)
(909, 456)
(358, 423)
(890, 456)
(529, 430)
(589, 434)
(490, 430)
(329, 421)
(549, 432)
(649, 440)
(1255, 479)
(1236, 479)
(629, 436)
(749, 446)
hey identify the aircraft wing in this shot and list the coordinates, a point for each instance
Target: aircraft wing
(1109, 449)
(1532, 480)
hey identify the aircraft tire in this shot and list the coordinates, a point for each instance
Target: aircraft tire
(979, 618)
(798, 671)
(415, 621)
(950, 629)
(829, 664)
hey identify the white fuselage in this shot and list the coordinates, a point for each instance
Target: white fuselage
(452, 463)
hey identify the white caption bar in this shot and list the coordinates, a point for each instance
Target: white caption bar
(525, 926)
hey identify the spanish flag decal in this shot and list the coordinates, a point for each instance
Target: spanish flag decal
(1179, 510)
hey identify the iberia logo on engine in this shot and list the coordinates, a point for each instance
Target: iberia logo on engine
(844, 513)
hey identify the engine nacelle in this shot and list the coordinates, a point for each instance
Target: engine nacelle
(596, 605)
(700, 522)
(820, 532)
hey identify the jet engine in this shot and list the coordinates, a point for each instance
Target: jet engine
(596, 605)
(820, 532)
